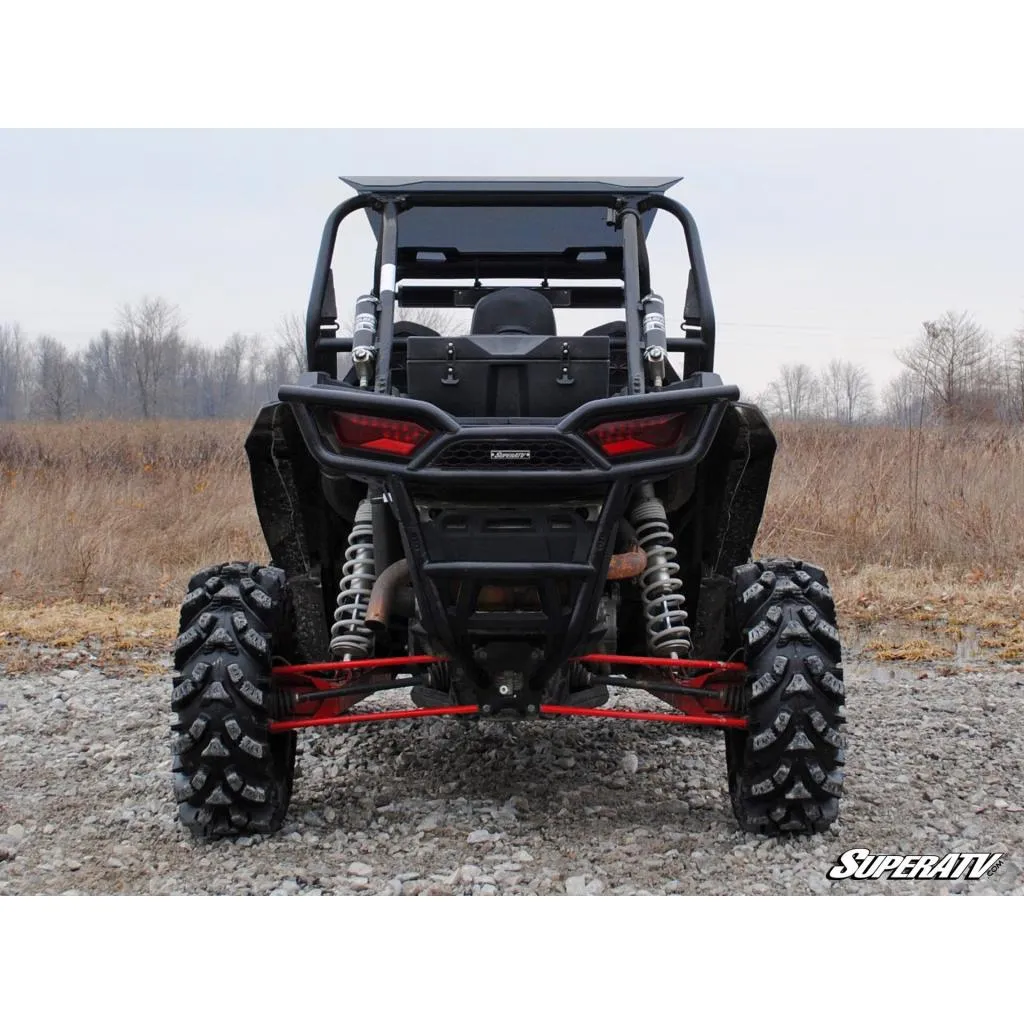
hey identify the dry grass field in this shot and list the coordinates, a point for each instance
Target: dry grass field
(104, 511)
(101, 523)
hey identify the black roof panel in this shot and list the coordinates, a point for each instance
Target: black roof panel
(568, 185)
(508, 229)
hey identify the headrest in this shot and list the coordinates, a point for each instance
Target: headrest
(513, 311)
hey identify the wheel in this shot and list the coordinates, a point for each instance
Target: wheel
(232, 776)
(786, 770)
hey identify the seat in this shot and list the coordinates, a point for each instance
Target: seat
(409, 329)
(614, 329)
(513, 311)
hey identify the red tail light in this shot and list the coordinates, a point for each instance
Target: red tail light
(630, 437)
(377, 434)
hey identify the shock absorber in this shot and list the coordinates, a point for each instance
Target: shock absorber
(655, 345)
(668, 636)
(350, 636)
(364, 332)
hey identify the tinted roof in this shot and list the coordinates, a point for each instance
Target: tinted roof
(571, 185)
(519, 229)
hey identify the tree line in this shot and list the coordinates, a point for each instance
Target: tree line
(143, 366)
(953, 372)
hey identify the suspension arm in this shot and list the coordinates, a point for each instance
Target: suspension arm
(698, 704)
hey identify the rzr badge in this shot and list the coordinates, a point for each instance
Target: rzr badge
(510, 455)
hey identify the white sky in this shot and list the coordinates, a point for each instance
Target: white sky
(861, 182)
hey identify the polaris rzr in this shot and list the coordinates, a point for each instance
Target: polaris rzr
(512, 522)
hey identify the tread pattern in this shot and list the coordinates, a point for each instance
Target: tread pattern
(786, 771)
(231, 776)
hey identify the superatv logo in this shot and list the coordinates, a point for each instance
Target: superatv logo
(510, 455)
(865, 864)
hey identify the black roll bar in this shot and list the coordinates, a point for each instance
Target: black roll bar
(386, 286)
(321, 360)
(630, 224)
(697, 266)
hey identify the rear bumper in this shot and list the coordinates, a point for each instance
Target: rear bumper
(703, 392)
(569, 582)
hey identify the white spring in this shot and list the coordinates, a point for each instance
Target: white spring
(660, 585)
(350, 635)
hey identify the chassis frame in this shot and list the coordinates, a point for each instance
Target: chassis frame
(566, 625)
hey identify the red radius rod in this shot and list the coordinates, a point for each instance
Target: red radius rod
(431, 659)
(675, 718)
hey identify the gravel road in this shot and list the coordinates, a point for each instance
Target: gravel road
(446, 806)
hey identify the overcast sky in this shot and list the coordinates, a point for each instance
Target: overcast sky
(818, 244)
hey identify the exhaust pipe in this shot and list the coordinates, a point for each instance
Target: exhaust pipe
(627, 565)
(382, 595)
(624, 566)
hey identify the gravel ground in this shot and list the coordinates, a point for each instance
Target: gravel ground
(447, 806)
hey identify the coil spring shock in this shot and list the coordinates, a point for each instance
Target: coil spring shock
(350, 636)
(668, 636)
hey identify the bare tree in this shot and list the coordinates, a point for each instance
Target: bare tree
(276, 366)
(794, 393)
(149, 341)
(196, 374)
(150, 336)
(903, 401)
(830, 384)
(447, 322)
(291, 337)
(845, 392)
(857, 392)
(58, 379)
(106, 376)
(952, 361)
(229, 367)
(1012, 377)
(13, 371)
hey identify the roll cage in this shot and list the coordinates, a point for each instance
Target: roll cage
(433, 253)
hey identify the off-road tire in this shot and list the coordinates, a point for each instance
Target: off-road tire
(786, 771)
(231, 775)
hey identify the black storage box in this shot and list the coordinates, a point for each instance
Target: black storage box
(507, 375)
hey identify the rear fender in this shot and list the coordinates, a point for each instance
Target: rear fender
(739, 470)
(304, 532)
(730, 493)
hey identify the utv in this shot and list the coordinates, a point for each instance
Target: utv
(511, 522)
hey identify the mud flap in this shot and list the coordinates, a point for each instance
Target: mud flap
(297, 522)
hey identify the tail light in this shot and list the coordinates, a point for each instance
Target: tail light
(631, 437)
(377, 434)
